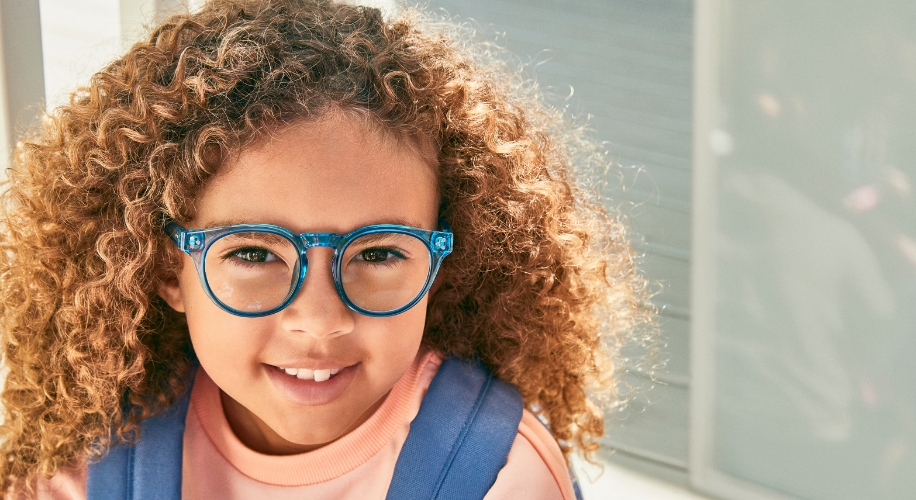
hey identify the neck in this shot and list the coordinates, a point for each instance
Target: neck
(258, 436)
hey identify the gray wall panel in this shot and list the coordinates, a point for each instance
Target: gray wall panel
(628, 65)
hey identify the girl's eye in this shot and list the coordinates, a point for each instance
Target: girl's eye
(378, 255)
(254, 255)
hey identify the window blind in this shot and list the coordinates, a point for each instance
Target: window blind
(628, 65)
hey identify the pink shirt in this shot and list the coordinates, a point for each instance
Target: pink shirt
(357, 466)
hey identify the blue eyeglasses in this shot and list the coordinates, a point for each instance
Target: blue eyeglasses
(254, 270)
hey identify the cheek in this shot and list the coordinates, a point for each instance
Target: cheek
(222, 342)
(394, 346)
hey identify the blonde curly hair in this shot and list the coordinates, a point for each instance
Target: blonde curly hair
(541, 286)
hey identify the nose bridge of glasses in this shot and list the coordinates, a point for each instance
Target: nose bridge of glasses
(310, 240)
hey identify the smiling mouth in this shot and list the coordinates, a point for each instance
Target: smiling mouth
(308, 374)
(311, 387)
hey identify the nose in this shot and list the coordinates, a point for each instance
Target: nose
(317, 310)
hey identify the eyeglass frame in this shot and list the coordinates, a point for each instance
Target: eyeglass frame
(196, 243)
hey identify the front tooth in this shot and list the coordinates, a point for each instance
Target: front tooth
(291, 371)
(334, 371)
(305, 374)
(322, 375)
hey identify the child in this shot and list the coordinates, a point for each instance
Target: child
(256, 249)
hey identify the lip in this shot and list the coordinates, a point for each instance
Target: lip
(315, 364)
(309, 392)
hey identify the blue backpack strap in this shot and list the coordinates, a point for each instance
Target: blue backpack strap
(150, 469)
(575, 483)
(461, 437)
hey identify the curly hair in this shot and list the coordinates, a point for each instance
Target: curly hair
(541, 286)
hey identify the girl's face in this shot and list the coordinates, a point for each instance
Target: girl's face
(333, 175)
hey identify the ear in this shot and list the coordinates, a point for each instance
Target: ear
(170, 292)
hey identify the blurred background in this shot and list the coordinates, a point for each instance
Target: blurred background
(766, 154)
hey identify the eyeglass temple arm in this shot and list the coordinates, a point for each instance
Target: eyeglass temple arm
(176, 233)
(443, 239)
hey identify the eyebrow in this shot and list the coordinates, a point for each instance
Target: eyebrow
(238, 220)
(257, 236)
(373, 238)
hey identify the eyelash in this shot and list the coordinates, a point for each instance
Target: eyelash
(236, 254)
(360, 256)
(388, 251)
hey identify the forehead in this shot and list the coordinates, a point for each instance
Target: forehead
(330, 175)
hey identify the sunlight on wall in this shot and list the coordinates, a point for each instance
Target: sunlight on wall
(605, 480)
(78, 38)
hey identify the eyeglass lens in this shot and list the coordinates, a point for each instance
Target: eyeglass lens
(256, 271)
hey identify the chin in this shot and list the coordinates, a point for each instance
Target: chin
(312, 434)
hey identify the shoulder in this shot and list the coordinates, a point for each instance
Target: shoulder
(68, 484)
(535, 468)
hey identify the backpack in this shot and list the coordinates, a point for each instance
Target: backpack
(457, 444)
